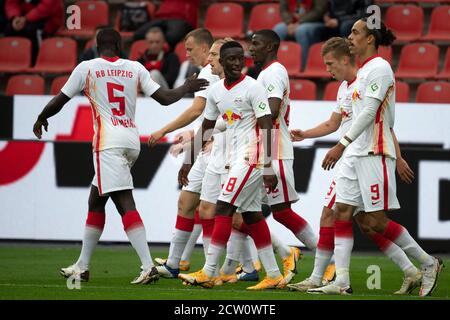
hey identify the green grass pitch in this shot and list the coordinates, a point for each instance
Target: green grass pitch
(32, 272)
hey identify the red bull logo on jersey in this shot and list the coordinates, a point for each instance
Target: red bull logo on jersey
(356, 95)
(230, 117)
(345, 114)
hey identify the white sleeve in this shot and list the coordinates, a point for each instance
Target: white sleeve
(365, 117)
(378, 83)
(211, 110)
(77, 80)
(259, 101)
(275, 86)
(148, 85)
(220, 126)
(207, 75)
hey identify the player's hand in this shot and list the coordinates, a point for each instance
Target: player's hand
(207, 147)
(193, 84)
(176, 149)
(184, 137)
(332, 156)
(155, 137)
(183, 173)
(37, 127)
(297, 135)
(404, 171)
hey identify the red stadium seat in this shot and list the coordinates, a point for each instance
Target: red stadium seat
(137, 49)
(25, 84)
(439, 24)
(302, 89)
(93, 14)
(406, 21)
(445, 73)
(385, 53)
(225, 20)
(180, 51)
(315, 68)
(57, 84)
(56, 55)
(401, 91)
(331, 91)
(290, 55)
(433, 92)
(418, 61)
(15, 55)
(264, 16)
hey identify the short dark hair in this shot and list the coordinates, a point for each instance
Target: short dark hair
(339, 47)
(201, 36)
(383, 36)
(270, 36)
(108, 38)
(229, 45)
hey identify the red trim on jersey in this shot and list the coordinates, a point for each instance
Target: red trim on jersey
(370, 58)
(99, 180)
(332, 201)
(349, 83)
(110, 59)
(269, 64)
(385, 184)
(283, 181)
(241, 186)
(231, 85)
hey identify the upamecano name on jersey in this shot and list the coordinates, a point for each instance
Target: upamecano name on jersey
(127, 123)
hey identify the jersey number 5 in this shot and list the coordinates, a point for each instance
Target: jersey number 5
(114, 99)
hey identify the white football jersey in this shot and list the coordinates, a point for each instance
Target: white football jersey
(344, 105)
(239, 105)
(375, 79)
(275, 80)
(111, 85)
(206, 74)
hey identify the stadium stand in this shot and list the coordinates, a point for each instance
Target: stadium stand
(56, 55)
(15, 55)
(25, 84)
(433, 92)
(315, 68)
(225, 20)
(439, 24)
(331, 90)
(94, 14)
(57, 84)
(406, 21)
(445, 73)
(289, 54)
(302, 89)
(263, 16)
(419, 61)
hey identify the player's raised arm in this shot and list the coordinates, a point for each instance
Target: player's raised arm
(169, 96)
(323, 129)
(184, 119)
(53, 107)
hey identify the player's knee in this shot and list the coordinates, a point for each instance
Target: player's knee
(236, 222)
(327, 218)
(206, 210)
(224, 209)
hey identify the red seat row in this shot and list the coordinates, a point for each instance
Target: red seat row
(301, 89)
